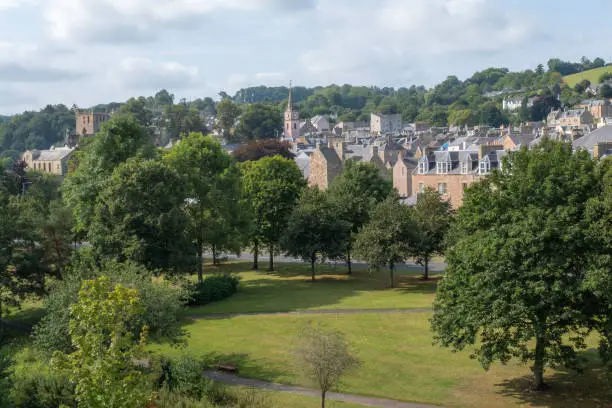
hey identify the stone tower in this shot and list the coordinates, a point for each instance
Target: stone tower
(292, 119)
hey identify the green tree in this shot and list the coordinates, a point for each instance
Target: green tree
(137, 107)
(227, 114)
(386, 239)
(431, 217)
(272, 187)
(605, 91)
(182, 120)
(314, 231)
(121, 137)
(213, 187)
(260, 121)
(323, 357)
(461, 117)
(517, 267)
(139, 216)
(256, 149)
(102, 365)
(355, 192)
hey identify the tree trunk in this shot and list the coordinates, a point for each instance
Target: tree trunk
(271, 262)
(255, 256)
(322, 399)
(312, 266)
(215, 257)
(348, 260)
(391, 267)
(538, 364)
(426, 266)
(200, 262)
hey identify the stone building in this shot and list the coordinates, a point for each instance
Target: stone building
(325, 166)
(598, 142)
(381, 124)
(52, 161)
(601, 108)
(450, 173)
(402, 174)
(88, 123)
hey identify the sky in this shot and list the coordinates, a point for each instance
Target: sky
(86, 52)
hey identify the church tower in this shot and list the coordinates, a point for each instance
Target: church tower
(292, 119)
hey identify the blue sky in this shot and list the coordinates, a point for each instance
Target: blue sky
(92, 51)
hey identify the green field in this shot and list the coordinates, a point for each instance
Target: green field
(398, 358)
(592, 75)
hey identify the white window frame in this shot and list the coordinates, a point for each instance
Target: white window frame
(442, 188)
(423, 166)
(484, 167)
(465, 168)
(443, 167)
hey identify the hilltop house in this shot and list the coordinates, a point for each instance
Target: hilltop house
(52, 161)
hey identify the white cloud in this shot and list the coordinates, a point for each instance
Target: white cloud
(7, 4)
(146, 74)
(142, 20)
(30, 63)
(395, 34)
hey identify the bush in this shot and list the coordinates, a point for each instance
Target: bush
(163, 302)
(214, 288)
(41, 389)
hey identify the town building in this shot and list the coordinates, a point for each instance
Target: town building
(381, 124)
(598, 142)
(570, 118)
(599, 108)
(450, 173)
(325, 166)
(402, 174)
(89, 123)
(52, 161)
(513, 104)
(320, 123)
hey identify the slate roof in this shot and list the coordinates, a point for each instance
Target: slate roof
(603, 134)
(303, 162)
(458, 157)
(522, 139)
(54, 154)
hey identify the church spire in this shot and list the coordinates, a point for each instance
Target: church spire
(290, 101)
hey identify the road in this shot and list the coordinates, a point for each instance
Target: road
(434, 267)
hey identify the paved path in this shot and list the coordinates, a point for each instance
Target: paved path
(434, 266)
(310, 312)
(336, 396)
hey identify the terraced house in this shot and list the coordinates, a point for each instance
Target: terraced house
(451, 172)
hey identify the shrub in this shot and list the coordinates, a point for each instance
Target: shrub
(41, 389)
(214, 288)
(163, 302)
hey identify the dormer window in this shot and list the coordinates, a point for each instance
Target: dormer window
(484, 167)
(465, 167)
(423, 166)
(443, 167)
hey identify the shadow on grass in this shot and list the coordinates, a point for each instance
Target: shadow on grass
(20, 323)
(567, 389)
(244, 365)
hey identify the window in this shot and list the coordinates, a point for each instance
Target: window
(464, 167)
(443, 167)
(484, 167)
(423, 166)
(442, 188)
(295, 125)
(465, 186)
(421, 187)
(287, 126)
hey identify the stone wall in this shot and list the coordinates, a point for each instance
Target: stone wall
(455, 185)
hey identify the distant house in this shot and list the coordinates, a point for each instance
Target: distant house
(598, 142)
(320, 123)
(325, 166)
(402, 174)
(52, 161)
(89, 123)
(512, 104)
(450, 173)
(516, 141)
(381, 124)
(599, 108)
(570, 118)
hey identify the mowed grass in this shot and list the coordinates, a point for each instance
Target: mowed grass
(592, 75)
(290, 289)
(398, 362)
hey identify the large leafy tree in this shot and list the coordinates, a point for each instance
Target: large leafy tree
(213, 190)
(121, 137)
(103, 363)
(227, 114)
(386, 239)
(182, 120)
(314, 231)
(515, 286)
(272, 187)
(355, 193)
(431, 216)
(258, 149)
(260, 121)
(139, 216)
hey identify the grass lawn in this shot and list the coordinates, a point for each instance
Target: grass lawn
(275, 399)
(398, 358)
(290, 289)
(592, 75)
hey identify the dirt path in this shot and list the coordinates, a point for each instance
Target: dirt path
(310, 312)
(336, 396)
